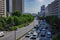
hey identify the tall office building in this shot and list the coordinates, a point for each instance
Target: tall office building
(18, 5)
(3, 8)
(42, 10)
(9, 7)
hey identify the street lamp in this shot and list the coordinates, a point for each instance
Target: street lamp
(15, 34)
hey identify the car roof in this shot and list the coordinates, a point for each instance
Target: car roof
(49, 32)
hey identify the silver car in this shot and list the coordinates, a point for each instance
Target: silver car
(49, 35)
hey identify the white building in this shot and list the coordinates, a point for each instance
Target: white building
(3, 8)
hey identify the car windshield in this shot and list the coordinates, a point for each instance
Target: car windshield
(34, 35)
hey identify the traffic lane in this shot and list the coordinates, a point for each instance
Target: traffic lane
(42, 38)
(26, 38)
(9, 37)
(49, 39)
(26, 29)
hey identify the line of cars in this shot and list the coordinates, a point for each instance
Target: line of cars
(44, 33)
(32, 34)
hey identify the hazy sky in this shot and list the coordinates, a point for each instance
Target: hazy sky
(33, 6)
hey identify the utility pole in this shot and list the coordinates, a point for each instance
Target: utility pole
(15, 34)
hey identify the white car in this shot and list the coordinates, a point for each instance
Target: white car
(1, 34)
(34, 36)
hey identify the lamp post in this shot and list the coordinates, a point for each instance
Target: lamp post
(15, 34)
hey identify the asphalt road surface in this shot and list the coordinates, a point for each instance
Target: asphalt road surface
(24, 38)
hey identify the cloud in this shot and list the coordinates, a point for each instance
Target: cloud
(40, 1)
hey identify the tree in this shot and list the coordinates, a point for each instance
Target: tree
(16, 20)
(55, 22)
(2, 23)
(17, 13)
(10, 20)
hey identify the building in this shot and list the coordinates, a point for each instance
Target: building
(54, 8)
(3, 8)
(38, 13)
(48, 10)
(17, 5)
(9, 7)
(42, 13)
(14, 5)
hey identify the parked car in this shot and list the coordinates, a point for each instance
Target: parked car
(1, 34)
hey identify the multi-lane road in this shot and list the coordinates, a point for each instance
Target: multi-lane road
(16, 34)
(42, 25)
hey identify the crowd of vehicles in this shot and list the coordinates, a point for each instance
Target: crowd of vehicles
(45, 33)
(32, 34)
(41, 31)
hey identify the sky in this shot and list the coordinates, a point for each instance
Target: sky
(34, 6)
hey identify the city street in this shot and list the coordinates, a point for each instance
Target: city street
(42, 25)
(29, 20)
(19, 32)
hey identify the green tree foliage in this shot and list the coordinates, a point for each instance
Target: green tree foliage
(57, 37)
(16, 18)
(54, 21)
(41, 18)
(17, 13)
(2, 23)
(10, 20)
